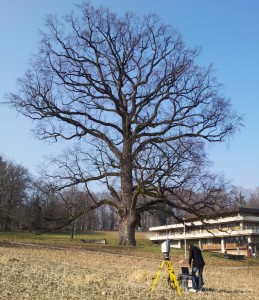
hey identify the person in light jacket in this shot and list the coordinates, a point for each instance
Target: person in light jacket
(196, 262)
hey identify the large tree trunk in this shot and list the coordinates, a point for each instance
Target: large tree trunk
(127, 213)
(127, 227)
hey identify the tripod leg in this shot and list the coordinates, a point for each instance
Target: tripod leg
(157, 276)
(173, 279)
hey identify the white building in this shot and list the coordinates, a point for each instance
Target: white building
(230, 232)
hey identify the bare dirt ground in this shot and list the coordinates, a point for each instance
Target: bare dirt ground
(44, 273)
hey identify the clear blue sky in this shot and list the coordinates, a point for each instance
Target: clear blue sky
(227, 31)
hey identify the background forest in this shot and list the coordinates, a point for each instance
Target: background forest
(25, 204)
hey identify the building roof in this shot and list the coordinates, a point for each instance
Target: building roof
(240, 210)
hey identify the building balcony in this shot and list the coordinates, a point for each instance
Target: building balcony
(202, 234)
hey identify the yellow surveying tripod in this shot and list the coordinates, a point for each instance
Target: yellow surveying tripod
(172, 277)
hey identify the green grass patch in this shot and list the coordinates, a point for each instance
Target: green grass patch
(64, 239)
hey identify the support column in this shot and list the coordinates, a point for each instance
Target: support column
(223, 245)
(241, 226)
(179, 244)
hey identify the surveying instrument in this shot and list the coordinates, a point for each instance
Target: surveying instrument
(172, 280)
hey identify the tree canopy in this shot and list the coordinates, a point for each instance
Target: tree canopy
(131, 94)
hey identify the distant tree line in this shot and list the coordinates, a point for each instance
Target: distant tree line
(15, 183)
(28, 204)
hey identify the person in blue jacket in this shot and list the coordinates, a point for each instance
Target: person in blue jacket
(196, 262)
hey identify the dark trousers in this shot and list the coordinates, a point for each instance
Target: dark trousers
(200, 279)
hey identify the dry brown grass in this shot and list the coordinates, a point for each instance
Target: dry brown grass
(42, 273)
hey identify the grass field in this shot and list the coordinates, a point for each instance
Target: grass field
(54, 267)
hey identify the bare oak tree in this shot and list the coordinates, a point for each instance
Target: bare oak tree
(131, 92)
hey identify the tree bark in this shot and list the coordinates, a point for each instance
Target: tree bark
(127, 213)
(127, 226)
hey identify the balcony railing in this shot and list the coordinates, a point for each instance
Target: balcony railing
(202, 234)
